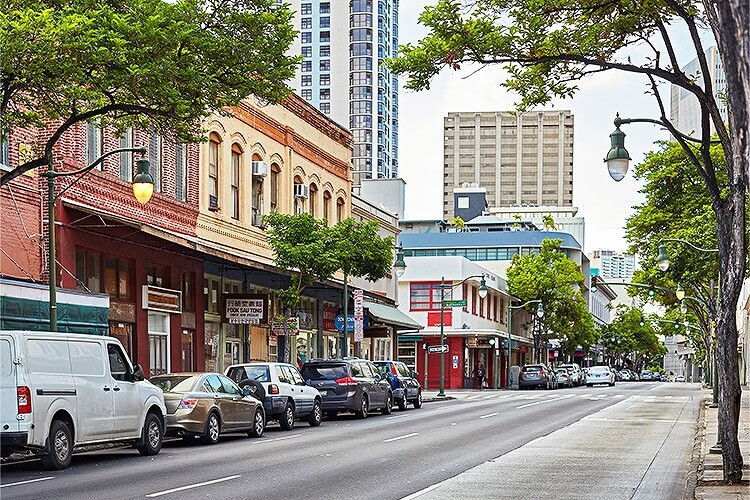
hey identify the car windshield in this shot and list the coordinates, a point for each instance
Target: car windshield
(174, 383)
(599, 369)
(532, 368)
(325, 372)
(562, 371)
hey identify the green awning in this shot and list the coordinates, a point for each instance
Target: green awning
(391, 316)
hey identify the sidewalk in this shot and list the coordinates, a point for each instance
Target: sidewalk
(710, 466)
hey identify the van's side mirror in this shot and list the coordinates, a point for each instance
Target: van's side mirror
(138, 374)
(414, 374)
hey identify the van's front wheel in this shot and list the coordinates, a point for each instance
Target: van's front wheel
(152, 436)
(61, 446)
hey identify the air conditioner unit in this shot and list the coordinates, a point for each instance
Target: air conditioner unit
(213, 202)
(301, 191)
(260, 169)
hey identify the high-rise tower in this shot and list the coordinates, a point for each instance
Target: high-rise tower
(519, 158)
(343, 44)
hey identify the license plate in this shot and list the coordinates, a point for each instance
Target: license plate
(324, 393)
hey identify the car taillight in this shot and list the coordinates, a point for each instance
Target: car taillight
(273, 389)
(542, 373)
(24, 399)
(521, 374)
(346, 381)
(187, 404)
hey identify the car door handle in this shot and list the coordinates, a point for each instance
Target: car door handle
(116, 389)
(106, 388)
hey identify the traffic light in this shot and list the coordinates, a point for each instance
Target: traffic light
(642, 322)
(594, 280)
(651, 288)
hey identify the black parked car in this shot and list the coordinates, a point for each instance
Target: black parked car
(404, 383)
(537, 376)
(349, 385)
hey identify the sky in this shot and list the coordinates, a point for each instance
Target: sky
(604, 203)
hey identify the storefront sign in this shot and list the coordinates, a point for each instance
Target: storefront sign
(305, 320)
(245, 308)
(292, 327)
(161, 299)
(339, 322)
(329, 318)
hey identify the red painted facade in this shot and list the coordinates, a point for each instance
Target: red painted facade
(97, 214)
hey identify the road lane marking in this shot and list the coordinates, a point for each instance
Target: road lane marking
(489, 397)
(545, 401)
(584, 395)
(190, 486)
(489, 415)
(396, 416)
(506, 396)
(422, 492)
(275, 439)
(25, 482)
(401, 437)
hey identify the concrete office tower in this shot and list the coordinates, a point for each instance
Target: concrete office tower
(613, 264)
(685, 112)
(343, 44)
(519, 158)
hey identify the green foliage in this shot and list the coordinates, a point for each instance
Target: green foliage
(312, 250)
(359, 251)
(550, 276)
(549, 222)
(457, 222)
(166, 64)
(625, 336)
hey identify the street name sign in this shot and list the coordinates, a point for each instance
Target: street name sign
(454, 303)
(435, 349)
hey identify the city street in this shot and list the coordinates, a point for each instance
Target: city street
(634, 440)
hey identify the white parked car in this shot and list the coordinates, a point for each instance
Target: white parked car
(60, 390)
(282, 389)
(600, 375)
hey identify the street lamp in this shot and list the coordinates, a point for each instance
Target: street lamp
(143, 188)
(400, 265)
(663, 261)
(443, 287)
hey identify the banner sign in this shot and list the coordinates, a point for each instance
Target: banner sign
(329, 318)
(358, 316)
(245, 308)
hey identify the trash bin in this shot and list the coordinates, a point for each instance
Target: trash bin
(468, 382)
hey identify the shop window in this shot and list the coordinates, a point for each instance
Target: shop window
(275, 174)
(235, 185)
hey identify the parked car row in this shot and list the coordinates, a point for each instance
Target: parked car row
(569, 375)
(61, 391)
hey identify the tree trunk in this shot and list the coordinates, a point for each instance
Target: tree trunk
(732, 250)
(730, 23)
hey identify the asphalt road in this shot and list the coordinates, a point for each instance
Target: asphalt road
(412, 453)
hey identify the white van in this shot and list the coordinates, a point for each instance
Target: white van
(61, 390)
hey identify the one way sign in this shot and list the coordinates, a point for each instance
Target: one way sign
(435, 349)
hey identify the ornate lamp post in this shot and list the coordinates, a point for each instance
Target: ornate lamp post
(143, 188)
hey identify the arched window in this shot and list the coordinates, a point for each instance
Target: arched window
(327, 206)
(313, 199)
(340, 204)
(275, 176)
(299, 195)
(256, 195)
(236, 172)
(213, 171)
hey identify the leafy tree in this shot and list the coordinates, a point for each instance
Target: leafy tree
(549, 222)
(313, 251)
(677, 206)
(631, 337)
(548, 45)
(550, 276)
(140, 63)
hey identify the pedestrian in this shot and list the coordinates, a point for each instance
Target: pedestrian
(479, 374)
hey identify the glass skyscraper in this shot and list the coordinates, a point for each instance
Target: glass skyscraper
(343, 44)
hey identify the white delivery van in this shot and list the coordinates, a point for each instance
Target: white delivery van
(61, 390)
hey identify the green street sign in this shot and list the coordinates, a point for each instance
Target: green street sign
(454, 303)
